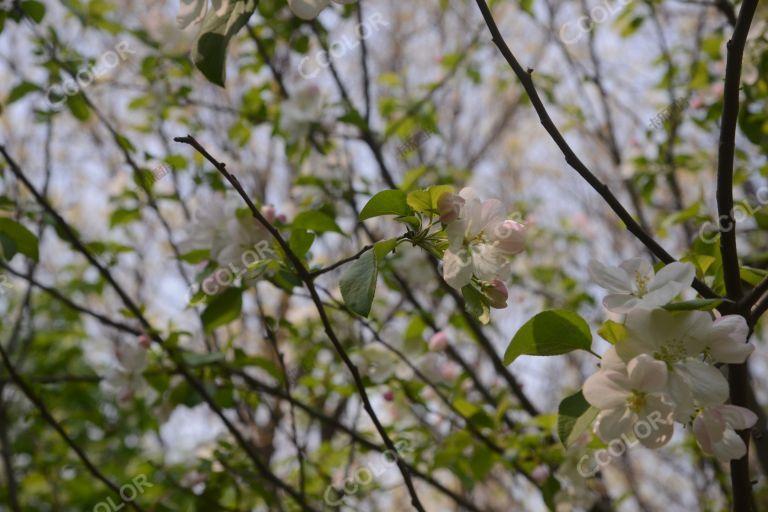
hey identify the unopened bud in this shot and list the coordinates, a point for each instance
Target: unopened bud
(498, 294)
(449, 370)
(389, 395)
(438, 342)
(269, 213)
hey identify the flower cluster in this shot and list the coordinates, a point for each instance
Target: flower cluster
(665, 363)
(480, 241)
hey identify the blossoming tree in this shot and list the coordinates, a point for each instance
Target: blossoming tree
(530, 309)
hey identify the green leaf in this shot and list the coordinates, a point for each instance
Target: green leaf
(426, 200)
(123, 216)
(386, 202)
(20, 91)
(78, 106)
(16, 238)
(383, 248)
(318, 222)
(195, 359)
(574, 416)
(550, 333)
(358, 284)
(691, 305)
(612, 332)
(548, 492)
(301, 241)
(34, 9)
(223, 309)
(210, 51)
(476, 304)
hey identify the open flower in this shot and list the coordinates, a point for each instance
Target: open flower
(309, 9)
(628, 397)
(678, 340)
(480, 239)
(218, 227)
(634, 283)
(715, 430)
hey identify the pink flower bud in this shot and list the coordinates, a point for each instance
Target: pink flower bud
(540, 473)
(269, 213)
(389, 395)
(697, 103)
(438, 342)
(282, 218)
(449, 370)
(498, 294)
(449, 206)
(509, 236)
(144, 341)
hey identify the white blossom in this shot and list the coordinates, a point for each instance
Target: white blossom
(634, 284)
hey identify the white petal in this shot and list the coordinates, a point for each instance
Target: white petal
(620, 303)
(612, 423)
(738, 418)
(613, 279)
(658, 424)
(637, 266)
(708, 385)
(679, 392)
(489, 263)
(606, 389)
(726, 341)
(731, 447)
(612, 361)
(647, 374)
(457, 268)
(307, 9)
(678, 273)
(703, 434)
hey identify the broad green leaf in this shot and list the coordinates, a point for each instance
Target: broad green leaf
(386, 202)
(426, 200)
(218, 28)
(301, 241)
(550, 333)
(358, 284)
(16, 238)
(697, 304)
(223, 309)
(612, 332)
(318, 222)
(383, 248)
(574, 416)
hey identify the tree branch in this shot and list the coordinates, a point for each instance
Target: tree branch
(525, 77)
(306, 277)
(737, 376)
